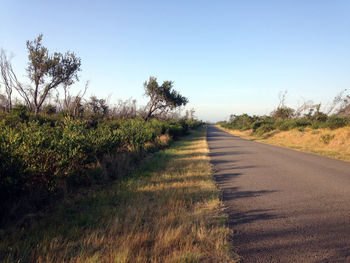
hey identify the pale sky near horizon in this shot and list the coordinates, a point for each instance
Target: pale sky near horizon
(227, 57)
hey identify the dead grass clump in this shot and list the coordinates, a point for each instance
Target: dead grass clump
(326, 138)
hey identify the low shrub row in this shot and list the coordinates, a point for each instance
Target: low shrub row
(46, 157)
(263, 124)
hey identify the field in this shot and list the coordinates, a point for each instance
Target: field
(167, 210)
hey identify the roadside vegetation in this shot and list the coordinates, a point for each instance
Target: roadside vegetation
(307, 128)
(53, 143)
(167, 210)
(82, 180)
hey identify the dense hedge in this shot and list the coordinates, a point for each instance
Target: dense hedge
(42, 155)
(263, 124)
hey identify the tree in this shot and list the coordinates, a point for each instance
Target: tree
(8, 78)
(10, 81)
(282, 111)
(189, 115)
(98, 106)
(70, 104)
(47, 72)
(162, 98)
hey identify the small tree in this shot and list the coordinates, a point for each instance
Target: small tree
(98, 106)
(8, 78)
(73, 105)
(162, 98)
(283, 113)
(47, 72)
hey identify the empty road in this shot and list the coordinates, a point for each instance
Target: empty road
(283, 205)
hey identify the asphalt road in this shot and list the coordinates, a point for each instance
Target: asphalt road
(283, 205)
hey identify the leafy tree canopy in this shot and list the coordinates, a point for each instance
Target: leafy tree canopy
(162, 98)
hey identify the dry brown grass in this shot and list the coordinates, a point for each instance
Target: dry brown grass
(326, 142)
(168, 211)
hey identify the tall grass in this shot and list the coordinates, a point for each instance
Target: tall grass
(168, 210)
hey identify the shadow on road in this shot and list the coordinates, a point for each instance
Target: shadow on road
(250, 216)
(227, 153)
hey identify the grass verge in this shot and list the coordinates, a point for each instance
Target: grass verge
(168, 210)
(326, 142)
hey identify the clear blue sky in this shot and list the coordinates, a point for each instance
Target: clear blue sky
(225, 56)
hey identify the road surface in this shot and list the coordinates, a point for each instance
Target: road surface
(283, 205)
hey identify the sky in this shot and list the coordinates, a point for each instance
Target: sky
(226, 57)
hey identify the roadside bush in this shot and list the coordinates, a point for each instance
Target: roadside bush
(283, 113)
(49, 109)
(194, 124)
(334, 122)
(320, 116)
(264, 128)
(20, 111)
(47, 154)
(286, 125)
(18, 114)
(240, 122)
(257, 124)
(175, 129)
(246, 122)
(134, 134)
(315, 125)
(12, 174)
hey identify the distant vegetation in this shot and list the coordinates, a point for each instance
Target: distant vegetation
(52, 142)
(284, 118)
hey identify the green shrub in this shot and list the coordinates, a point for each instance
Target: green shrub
(257, 124)
(283, 113)
(315, 125)
(286, 125)
(12, 174)
(334, 122)
(47, 154)
(267, 124)
(240, 122)
(175, 129)
(134, 134)
(194, 124)
(20, 111)
(320, 116)
(49, 109)
(264, 128)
